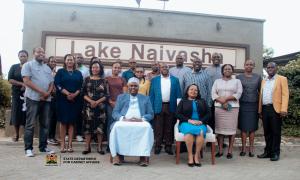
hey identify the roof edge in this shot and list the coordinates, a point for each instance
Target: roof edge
(144, 9)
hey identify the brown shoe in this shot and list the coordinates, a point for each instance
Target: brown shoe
(116, 161)
(143, 161)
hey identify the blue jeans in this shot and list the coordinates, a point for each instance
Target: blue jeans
(36, 110)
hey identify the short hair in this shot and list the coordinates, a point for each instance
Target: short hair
(23, 51)
(273, 63)
(249, 60)
(49, 58)
(101, 68)
(93, 58)
(34, 49)
(116, 62)
(186, 95)
(222, 69)
(65, 57)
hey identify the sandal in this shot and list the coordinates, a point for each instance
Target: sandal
(116, 161)
(15, 139)
(143, 164)
(70, 150)
(64, 150)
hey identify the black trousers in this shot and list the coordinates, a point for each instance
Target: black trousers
(272, 123)
(53, 119)
(163, 126)
(211, 121)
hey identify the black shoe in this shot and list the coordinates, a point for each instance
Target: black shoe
(219, 155)
(198, 164)
(229, 156)
(274, 157)
(264, 155)
(251, 154)
(243, 153)
(169, 150)
(86, 151)
(101, 152)
(190, 164)
(157, 150)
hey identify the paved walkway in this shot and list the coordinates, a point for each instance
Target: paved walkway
(14, 165)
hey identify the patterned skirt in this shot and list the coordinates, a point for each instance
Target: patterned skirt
(94, 119)
(226, 121)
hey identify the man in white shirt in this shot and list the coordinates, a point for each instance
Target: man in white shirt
(164, 91)
(131, 133)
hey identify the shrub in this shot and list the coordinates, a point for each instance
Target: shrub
(5, 99)
(291, 123)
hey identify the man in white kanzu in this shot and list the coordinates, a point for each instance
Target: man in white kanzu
(131, 133)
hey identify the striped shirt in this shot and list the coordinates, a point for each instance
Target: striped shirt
(267, 97)
(202, 80)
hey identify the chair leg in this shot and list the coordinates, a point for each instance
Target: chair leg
(177, 151)
(213, 152)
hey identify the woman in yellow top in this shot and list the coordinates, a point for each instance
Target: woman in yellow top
(144, 85)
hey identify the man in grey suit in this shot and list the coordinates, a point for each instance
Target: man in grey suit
(131, 133)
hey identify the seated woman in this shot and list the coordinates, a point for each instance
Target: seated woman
(193, 114)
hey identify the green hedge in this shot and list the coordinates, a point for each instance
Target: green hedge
(291, 123)
(5, 99)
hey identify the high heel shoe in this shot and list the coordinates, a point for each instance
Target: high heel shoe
(219, 155)
(190, 164)
(87, 151)
(251, 154)
(242, 153)
(229, 156)
(100, 152)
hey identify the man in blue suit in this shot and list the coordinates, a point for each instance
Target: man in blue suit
(164, 91)
(131, 133)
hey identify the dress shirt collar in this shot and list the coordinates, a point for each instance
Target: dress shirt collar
(168, 77)
(273, 78)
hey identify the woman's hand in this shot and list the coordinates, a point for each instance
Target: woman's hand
(225, 106)
(221, 100)
(194, 122)
(93, 104)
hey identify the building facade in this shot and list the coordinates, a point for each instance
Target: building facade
(119, 33)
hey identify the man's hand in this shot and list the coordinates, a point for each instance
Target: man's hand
(260, 115)
(133, 120)
(283, 114)
(44, 96)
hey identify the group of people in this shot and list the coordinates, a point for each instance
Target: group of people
(136, 111)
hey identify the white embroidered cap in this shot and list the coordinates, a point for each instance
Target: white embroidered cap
(134, 80)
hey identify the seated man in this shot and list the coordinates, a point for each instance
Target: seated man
(131, 133)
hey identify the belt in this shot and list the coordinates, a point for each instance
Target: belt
(166, 102)
(267, 105)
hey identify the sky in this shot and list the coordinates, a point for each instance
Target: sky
(281, 27)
